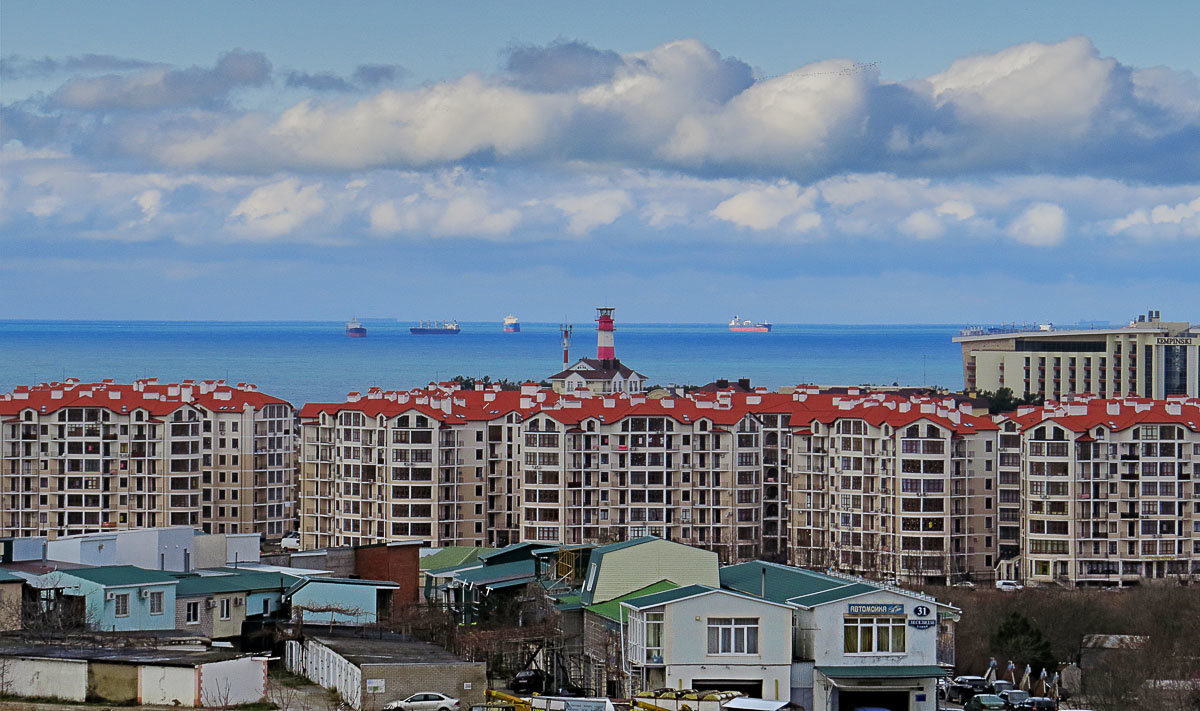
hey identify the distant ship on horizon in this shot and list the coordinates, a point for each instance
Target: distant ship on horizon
(511, 324)
(741, 325)
(435, 328)
(354, 329)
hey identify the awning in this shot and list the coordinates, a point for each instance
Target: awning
(912, 671)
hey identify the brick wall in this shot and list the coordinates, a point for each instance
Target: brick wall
(399, 564)
(401, 680)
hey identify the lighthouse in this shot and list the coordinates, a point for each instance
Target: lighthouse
(605, 350)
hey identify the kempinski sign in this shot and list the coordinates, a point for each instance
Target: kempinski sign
(1177, 341)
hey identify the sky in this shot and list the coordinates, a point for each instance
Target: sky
(851, 162)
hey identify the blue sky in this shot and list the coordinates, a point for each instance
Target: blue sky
(796, 162)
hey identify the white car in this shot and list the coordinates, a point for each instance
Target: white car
(290, 542)
(1009, 585)
(424, 701)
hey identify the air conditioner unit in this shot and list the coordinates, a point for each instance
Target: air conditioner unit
(237, 601)
(210, 603)
(110, 596)
(145, 594)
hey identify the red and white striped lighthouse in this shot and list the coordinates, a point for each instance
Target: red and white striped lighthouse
(605, 350)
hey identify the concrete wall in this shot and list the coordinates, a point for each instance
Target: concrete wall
(242, 547)
(168, 686)
(233, 681)
(401, 680)
(326, 668)
(10, 605)
(343, 603)
(398, 563)
(88, 550)
(114, 683)
(338, 561)
(38, 677)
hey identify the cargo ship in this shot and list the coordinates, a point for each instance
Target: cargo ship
(511, 324)
(741, 325)
(435, 328)
(354, 329)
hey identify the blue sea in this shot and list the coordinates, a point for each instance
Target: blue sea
(316, 362)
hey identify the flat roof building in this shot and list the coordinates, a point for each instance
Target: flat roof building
(1148, 358)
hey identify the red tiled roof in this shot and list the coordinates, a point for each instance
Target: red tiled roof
(156, 398)
(1114, 414)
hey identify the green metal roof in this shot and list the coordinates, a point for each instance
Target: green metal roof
(875, 671)
(239, 582)
(7, 577)
(452, 556)
(511, 549)
(611, 609)
(118, 575)
(498, 573)
(775, 582)
(833, 595)
(663, 597)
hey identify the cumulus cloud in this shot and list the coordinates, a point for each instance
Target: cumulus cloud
(764, 208)
(561, 65)
(1042, 224)
(277, 209)
(364, 77)
(159, 88)
(592, 210)
(1179, 220)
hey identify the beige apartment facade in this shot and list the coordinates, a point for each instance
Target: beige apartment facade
(87, 457)
(1148, 358)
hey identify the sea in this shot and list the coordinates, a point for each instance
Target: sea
(314, 361)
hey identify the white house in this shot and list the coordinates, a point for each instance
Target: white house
(822, 642)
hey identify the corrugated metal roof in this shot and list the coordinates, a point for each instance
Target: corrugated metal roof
(190, 585)
(778, 583)
(611, 609)
(452, 556)
(672, 595)
(498, 573)
(833, 595)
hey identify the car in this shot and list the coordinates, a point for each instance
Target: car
(290, 542)
(1009, 585)
(1000, 685)
(983, 702)
(1038, 703)
(529, 681)
(964, 687)
(424, 701)
(964, 584)
(1012, 697)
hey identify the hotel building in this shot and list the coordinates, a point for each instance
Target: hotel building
(1148, 358)
(85, 457)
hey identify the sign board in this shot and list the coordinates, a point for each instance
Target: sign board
(921, 611)
(466, 686)
(922, 624)
(376, 686)
(883, 609)
(1176, 341)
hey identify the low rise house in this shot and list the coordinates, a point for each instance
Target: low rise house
(216, 603)
(123, 598)
(341, 601)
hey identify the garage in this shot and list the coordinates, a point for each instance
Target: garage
(890, 700)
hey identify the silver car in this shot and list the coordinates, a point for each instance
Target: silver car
(424, 701)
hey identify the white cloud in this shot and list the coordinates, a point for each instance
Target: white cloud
(1181, 219)
(764, 208)
(276, 209)
(922, 224)
(957, 209)
(1043, 224)
(587, 212)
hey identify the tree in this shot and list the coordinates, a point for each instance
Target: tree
(1018, 639)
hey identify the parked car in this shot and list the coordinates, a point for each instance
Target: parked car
(1000, 685)
(529, 681)
(290, 542)
(1038, 703)
(943, 685)
(1009, 585)
(984, 702)
(964, 687)
(424, 701)
(1013, 697)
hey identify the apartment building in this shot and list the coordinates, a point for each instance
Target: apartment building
(745, 474)
(84, 457)
(1148, 358)
(1108, 491)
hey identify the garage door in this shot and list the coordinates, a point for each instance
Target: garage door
(749, 687)
(890, 700)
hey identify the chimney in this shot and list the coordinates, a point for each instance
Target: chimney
(605, 350)
(744, 383)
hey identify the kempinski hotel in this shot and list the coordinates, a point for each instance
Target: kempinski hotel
(1149, 358)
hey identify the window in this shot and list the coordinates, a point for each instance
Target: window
(156, 602)
(654, 636)
(192, 613)
(873, 635)
(225, 608)
(121, 603)
(733, 635)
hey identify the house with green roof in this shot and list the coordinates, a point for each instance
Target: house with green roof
(122, 598)
(216, 602)
(620, 568)
(777, 632)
